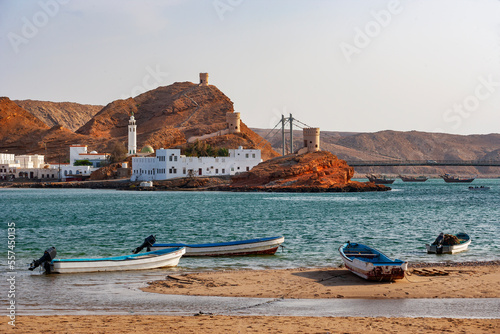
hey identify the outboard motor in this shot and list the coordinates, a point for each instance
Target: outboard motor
(148, 242)
(439, 243)
(45, 260)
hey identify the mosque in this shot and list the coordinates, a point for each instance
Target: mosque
(169, 163)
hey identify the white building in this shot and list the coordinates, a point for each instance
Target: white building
(169, 164)
(79, 152)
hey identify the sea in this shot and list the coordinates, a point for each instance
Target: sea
(87, 223)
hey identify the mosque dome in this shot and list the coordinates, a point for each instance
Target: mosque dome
(147, 149)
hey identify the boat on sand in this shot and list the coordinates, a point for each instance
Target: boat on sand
(261, 246)
(371, 264)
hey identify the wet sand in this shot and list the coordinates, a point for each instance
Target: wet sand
(432, 281)
(236, 324)
(424, 281)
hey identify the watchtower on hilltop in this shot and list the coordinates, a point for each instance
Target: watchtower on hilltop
(203, 79)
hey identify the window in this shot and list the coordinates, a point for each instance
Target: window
(246, 155)
(248, 168)
(253, 155)
(223, 170)
(175, 158)
(217, 171)
(184, 170)
(170, 158)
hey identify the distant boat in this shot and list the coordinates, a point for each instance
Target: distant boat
(380, 179)
(261, 246)
(407, 178)
(456, 179)
(371, 264)
(449, 244)
(479, 188)
(150, 260)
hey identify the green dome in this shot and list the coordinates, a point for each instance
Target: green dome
(147, 149)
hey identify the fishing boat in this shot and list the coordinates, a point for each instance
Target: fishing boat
(407, 178)
(479, 188)
(261, 246)
(380, 179)
(449, 244)
(150, 260)
(371, 264)
(168, 257)
(448, 178)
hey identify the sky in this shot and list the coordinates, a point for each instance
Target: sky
(355, 66)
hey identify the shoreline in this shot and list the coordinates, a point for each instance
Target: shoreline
(463, 280)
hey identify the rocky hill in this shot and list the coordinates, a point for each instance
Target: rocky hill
(165, 117)
(23, 133)
(412, 145)
(66, 114)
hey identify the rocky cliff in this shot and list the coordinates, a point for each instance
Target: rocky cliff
(316, 171)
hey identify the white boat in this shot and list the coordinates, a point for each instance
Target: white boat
(371, 264)
(444, 247)
(261, 246)
(150, 260)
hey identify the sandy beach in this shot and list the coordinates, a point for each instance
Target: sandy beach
(466, 280)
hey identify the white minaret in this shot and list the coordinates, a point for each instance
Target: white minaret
(132, 136)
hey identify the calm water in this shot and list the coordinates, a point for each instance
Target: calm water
(98, 223)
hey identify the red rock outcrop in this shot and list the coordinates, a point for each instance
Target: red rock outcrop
(316, 171)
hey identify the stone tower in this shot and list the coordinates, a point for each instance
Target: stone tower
(132, 136)
(311, 139)
(203, 79)
(233, 122)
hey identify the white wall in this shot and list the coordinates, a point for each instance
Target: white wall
(169, 163)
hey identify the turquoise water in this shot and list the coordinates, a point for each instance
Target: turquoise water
(101, 223)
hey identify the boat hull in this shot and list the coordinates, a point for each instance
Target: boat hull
(150, 260)
(450, 249)
(413, 179)
(458, 181)
(371, 264)
(379, 273)
(263, 246)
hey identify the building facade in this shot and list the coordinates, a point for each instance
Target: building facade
(169, 164)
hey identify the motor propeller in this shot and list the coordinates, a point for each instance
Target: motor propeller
(148, 242)
(47, 257)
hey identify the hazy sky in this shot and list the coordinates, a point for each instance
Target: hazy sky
(339, 65)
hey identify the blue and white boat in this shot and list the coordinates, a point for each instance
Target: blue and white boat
(371, 264)
(261, 246)
(150, 260)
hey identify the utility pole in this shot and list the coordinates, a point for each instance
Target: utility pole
(291, 134)
(283, 133)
